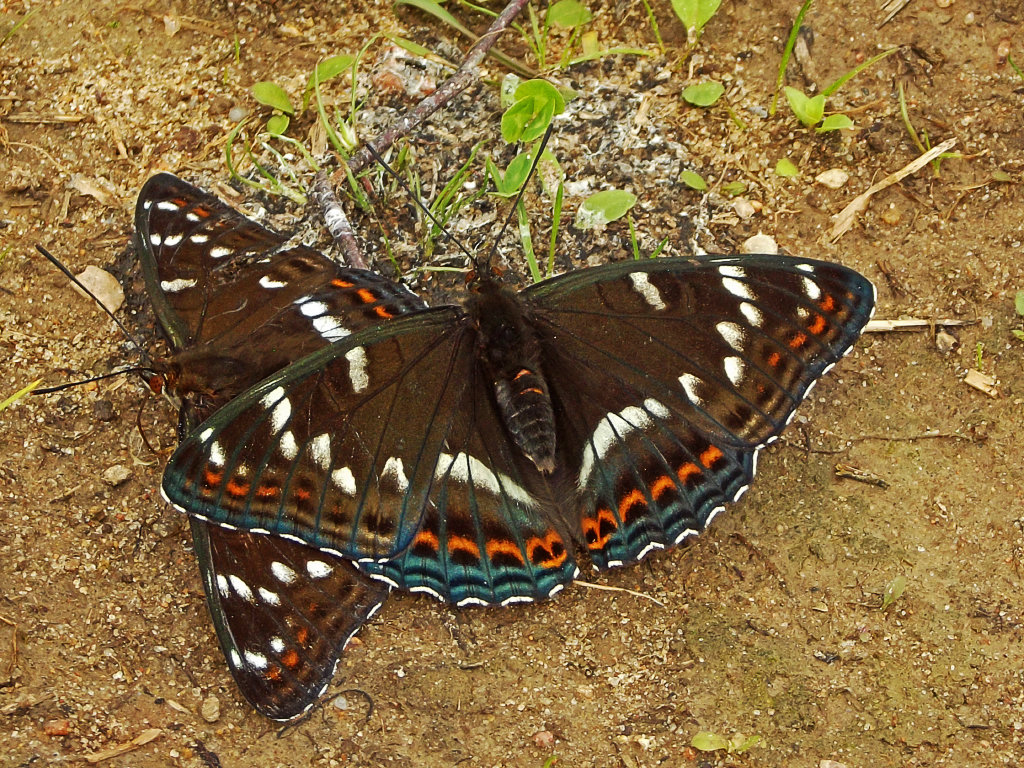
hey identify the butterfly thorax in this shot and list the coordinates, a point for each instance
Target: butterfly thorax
(205, 374)
(510, 355)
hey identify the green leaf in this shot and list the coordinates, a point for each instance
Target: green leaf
(734, 188)
(893, 590)
(786, 168)
(277, 124)
(835, 122)
(1001, 176)
(567, 14)
(693, 181)
(695, 14)
(332, 67)
(1018, 333)
(507, 184)
(603, 207)
(515, 120)
(808, 109)
(542, 90)
(703, 94)
(740, 744)
(273, 95)
(1018, 303)
(706, 741)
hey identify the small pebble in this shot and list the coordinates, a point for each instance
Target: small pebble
(544, 739)
(104, 287)
(759, 243)
(57, 727)
(945, 342)
(116, 475)
(891, 216)
(210, 709)
(833, 178)
(237, 114)
(743, 207)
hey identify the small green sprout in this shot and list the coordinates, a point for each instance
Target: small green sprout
(694, 181)
(703, 94)
(536, 104)
(706, 741)
(786, 168)
(602, 208)
(1018, 304)
(734, 188)
(923, 144)
(695, 14)
(893, 591)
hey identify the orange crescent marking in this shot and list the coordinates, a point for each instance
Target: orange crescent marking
(427, 537)
(798, 341)
(237, 488)
(687, 471)
(710, 456)
(366, 295)
(504, 547)
(593, 525)
(627, 501)
(532, 389)
(339, 283)
(819, 325)
(302, 494)
(550, 538)
(828, 304)
(273, 673)
(662, 484)
(203, 213)
(774, 359)
(382, 313)
(456, 543)
(302, 635)
(523, 372)
(267, 492)
(290, 659)
(212, 477)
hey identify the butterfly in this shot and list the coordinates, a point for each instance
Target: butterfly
(223, 289)
(480, 452)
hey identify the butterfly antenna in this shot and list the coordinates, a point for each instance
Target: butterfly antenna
(67, 272)
(70, 384)
(422, 206)
(519, 195)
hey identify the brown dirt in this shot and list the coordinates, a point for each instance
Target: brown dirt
(771, 624)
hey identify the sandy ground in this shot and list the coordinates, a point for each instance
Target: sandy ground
(770, 625)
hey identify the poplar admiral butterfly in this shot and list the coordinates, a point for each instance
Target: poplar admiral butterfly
(224, 290)
(476, 452)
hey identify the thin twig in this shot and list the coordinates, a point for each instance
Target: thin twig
(912, 324)
(592, 585)
(336, 221)
(454, 85)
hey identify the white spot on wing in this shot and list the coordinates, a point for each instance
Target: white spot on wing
(318, 569)
(220, 252)
(642, 284)
(155, 239)
(217, 457)
(173, 286)
(344, 480)
(736, 288)
(280, 408)
(287, 445)
(277, 645)
(320, 448)
(463, 468)
(805, 268)
(223, 587)
(254, 659)
(199, 238)
(329, 328)
(811, 289)
(268, 282)
(234, 658)
(357, 362)
(241, 589)
(734, 369)
(173, 239)
(752, 313)
(690, 384)
(166, 205)
(312, 308)
(282, 572)
(613, 428)
(268, 597)
(395, 471)
(732, 334)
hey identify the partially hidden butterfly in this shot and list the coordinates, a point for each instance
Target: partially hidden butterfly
(479, 452)
(230, 296)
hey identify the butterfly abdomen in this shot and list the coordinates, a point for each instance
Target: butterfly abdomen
(509, 353)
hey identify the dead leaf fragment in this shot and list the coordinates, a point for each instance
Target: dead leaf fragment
(99, 188)
(143, 738)
(981, 382)
(104, 287)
